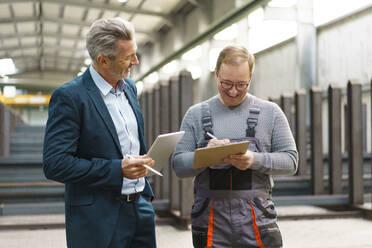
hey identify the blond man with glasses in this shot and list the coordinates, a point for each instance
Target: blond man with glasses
(233, 205)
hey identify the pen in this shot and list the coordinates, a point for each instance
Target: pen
(148, 167)
(211, 135)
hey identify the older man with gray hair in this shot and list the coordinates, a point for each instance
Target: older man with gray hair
(94, 144)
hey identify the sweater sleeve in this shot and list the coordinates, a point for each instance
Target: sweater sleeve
(183, 157)
(283, 157)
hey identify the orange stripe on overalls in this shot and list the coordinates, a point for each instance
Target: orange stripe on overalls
(210, 228)
(255, 228)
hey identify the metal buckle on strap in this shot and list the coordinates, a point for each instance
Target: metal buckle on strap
(207, 126)
(252, 120)
(251, 123)
(254, 111)
(207, 121)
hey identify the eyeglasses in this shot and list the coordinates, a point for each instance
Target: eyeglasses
(229, 85)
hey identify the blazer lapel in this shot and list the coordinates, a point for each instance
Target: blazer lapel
(101, 107)
(132, 100)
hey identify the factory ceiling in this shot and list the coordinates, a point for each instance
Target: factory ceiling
(49, 35)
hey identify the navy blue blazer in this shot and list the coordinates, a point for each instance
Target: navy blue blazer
(82, 150)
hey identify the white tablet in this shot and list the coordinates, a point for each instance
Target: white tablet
(162, 149)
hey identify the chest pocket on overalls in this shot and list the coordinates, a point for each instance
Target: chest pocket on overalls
(231, 178)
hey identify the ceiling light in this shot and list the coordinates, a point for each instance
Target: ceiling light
(122, 1)
(5, 79)
(7, 67)
(10, 91)
(37, 100)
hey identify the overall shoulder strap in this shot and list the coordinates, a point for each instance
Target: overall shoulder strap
(206, 120)
(254, 112)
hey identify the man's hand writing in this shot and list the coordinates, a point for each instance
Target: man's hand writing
(217, 142)
(241, 161)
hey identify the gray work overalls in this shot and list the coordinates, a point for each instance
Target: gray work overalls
(232, 207)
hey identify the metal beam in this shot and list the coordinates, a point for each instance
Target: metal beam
(19, 19)
(55, 35)
(186, 100)
(28, 81)
(193, 2)
(45, 34)
(57, 48)
(108, 7)
(175, 119)
(305, 46)
(12, 48)
(63, 36)
(56, 20)
(355, 130)
(300, 133)
(101, 6)
(65, 21)
(334, 140)
(230, 18)
(19, 35)
(37, 84)
(46, 57)
(48, 70)
(286, 105)
(61, 48)
(81, 23)
(18, 1)
(317, 163)
(182, 3)
(24, 58)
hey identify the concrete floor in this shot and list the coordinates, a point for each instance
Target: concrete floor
(318, 233)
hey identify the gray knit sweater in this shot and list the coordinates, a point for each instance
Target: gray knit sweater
(279, 155)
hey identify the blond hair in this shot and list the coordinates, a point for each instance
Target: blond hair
(235, 55)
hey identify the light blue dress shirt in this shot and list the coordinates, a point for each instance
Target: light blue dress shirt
(125, 124)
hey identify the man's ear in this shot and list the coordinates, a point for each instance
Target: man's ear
(101, 60)
(215, 74)
(249, 83)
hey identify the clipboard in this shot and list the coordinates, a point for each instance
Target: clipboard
(210, 156)
(162, 148)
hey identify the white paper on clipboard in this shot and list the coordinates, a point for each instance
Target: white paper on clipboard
(162, 148)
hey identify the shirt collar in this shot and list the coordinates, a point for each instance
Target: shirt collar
(103, 85)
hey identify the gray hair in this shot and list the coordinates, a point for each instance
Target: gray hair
(104, 34)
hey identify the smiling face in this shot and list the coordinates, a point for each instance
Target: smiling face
(232, 74)
(126, 56)
(119, 67)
